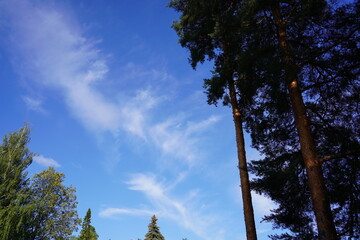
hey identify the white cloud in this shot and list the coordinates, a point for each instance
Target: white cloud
(53, 52)
(134, 112)
(92, 109)
(262, 204)
(146, 184)
(133, 71)
(34, 104)
(201, 126)
(181, 211)
(112, 212)
(178, 140)
(47, 162)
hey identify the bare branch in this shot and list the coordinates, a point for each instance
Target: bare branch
(339, 155)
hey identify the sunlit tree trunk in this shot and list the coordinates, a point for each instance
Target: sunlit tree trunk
(321, 206)
(242, 164)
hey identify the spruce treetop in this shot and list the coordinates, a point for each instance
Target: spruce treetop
(88, 231)
(154, 231)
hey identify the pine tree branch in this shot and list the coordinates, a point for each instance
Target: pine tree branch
(338, 155)
(317, 84)
(328, 48)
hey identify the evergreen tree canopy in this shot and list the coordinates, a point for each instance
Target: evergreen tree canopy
(319, 43)
(208, 30)
(154, 231)
(88, 231)
(270, 44)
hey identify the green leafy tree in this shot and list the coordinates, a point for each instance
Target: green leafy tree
(55, 215)
(88, 231)
(154, 231)
(15, 157)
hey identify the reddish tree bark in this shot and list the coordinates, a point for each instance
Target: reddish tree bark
(321, 206)
(242, 164)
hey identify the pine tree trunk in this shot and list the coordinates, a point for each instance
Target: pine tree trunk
(244, 175)
(321, 206)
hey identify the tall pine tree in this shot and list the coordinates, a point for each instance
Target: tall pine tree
(154, 231)
(298, 89)
(207, 28)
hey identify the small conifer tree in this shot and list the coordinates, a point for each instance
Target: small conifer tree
(88, 231)
(154, 231)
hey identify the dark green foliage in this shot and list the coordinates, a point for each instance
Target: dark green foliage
(88, 231)
(331, 95)
(154, 231)
(208, 29)
(284, 181)
(324, 44)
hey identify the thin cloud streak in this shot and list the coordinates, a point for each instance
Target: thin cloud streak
(177, 210)
(46, 162)
(180, 141)
(34, 104)
(113, 212)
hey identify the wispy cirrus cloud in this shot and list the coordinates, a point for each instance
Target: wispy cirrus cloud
(263, 204)
(34, 104)
(134, 71)
(135, 111)
(178, 139)
(164, 205)
(54, 53)
(112, 212)
(45, 161)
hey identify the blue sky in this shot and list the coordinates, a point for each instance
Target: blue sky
(113, 103)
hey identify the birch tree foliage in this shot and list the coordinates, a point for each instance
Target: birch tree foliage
(15, 157)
